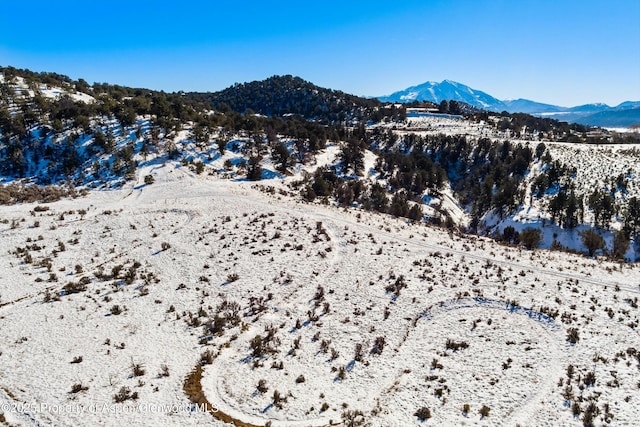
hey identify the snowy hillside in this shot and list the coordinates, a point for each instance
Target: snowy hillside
(480, 173)
(196, 289)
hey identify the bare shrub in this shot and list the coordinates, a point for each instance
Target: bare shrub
(423, 413)
(465, 409)
(353, 418)
(206, 358)
(125, 394)
(77, 388)
(573, 336)
(137, 369)
(484, 411)
(358, 353)
(164, 371)
(378, 345)
(262, 386)
(278, 399)
(456, 345)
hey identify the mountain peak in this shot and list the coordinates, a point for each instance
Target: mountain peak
(444, 91)
(597, 114)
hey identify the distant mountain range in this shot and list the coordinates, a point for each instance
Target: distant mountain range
(623, 115)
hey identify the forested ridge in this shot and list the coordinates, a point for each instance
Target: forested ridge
(55, 130)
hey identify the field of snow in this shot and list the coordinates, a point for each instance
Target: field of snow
(298, 314)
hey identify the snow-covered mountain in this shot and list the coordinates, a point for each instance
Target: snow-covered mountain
(596, 114)
(589, 108)
(444, 91)
(530, 107)
(628, 105)
(626, 114)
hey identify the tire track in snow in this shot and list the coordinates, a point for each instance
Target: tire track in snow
(336, 220)
(525, 412)
(471, 255)
(7, 398)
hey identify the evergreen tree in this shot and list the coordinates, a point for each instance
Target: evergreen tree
(592, 241)
(399, 205)
(557, 206)
(377, 200)
(531, 237)
(352, 156)
(603, 207)
(632, 217)
(281, 156)
(200, 135)
(415, 213)
(254, 171)
(345, 194)
(510, 235)
(221, 142)
(620, 245)
(320, 186)
(572, 211)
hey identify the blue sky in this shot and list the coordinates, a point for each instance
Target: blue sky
(564, 52)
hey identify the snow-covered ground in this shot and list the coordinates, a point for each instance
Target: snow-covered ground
(598, 166)
(56, 93)
(316, 283)
(22, 89)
